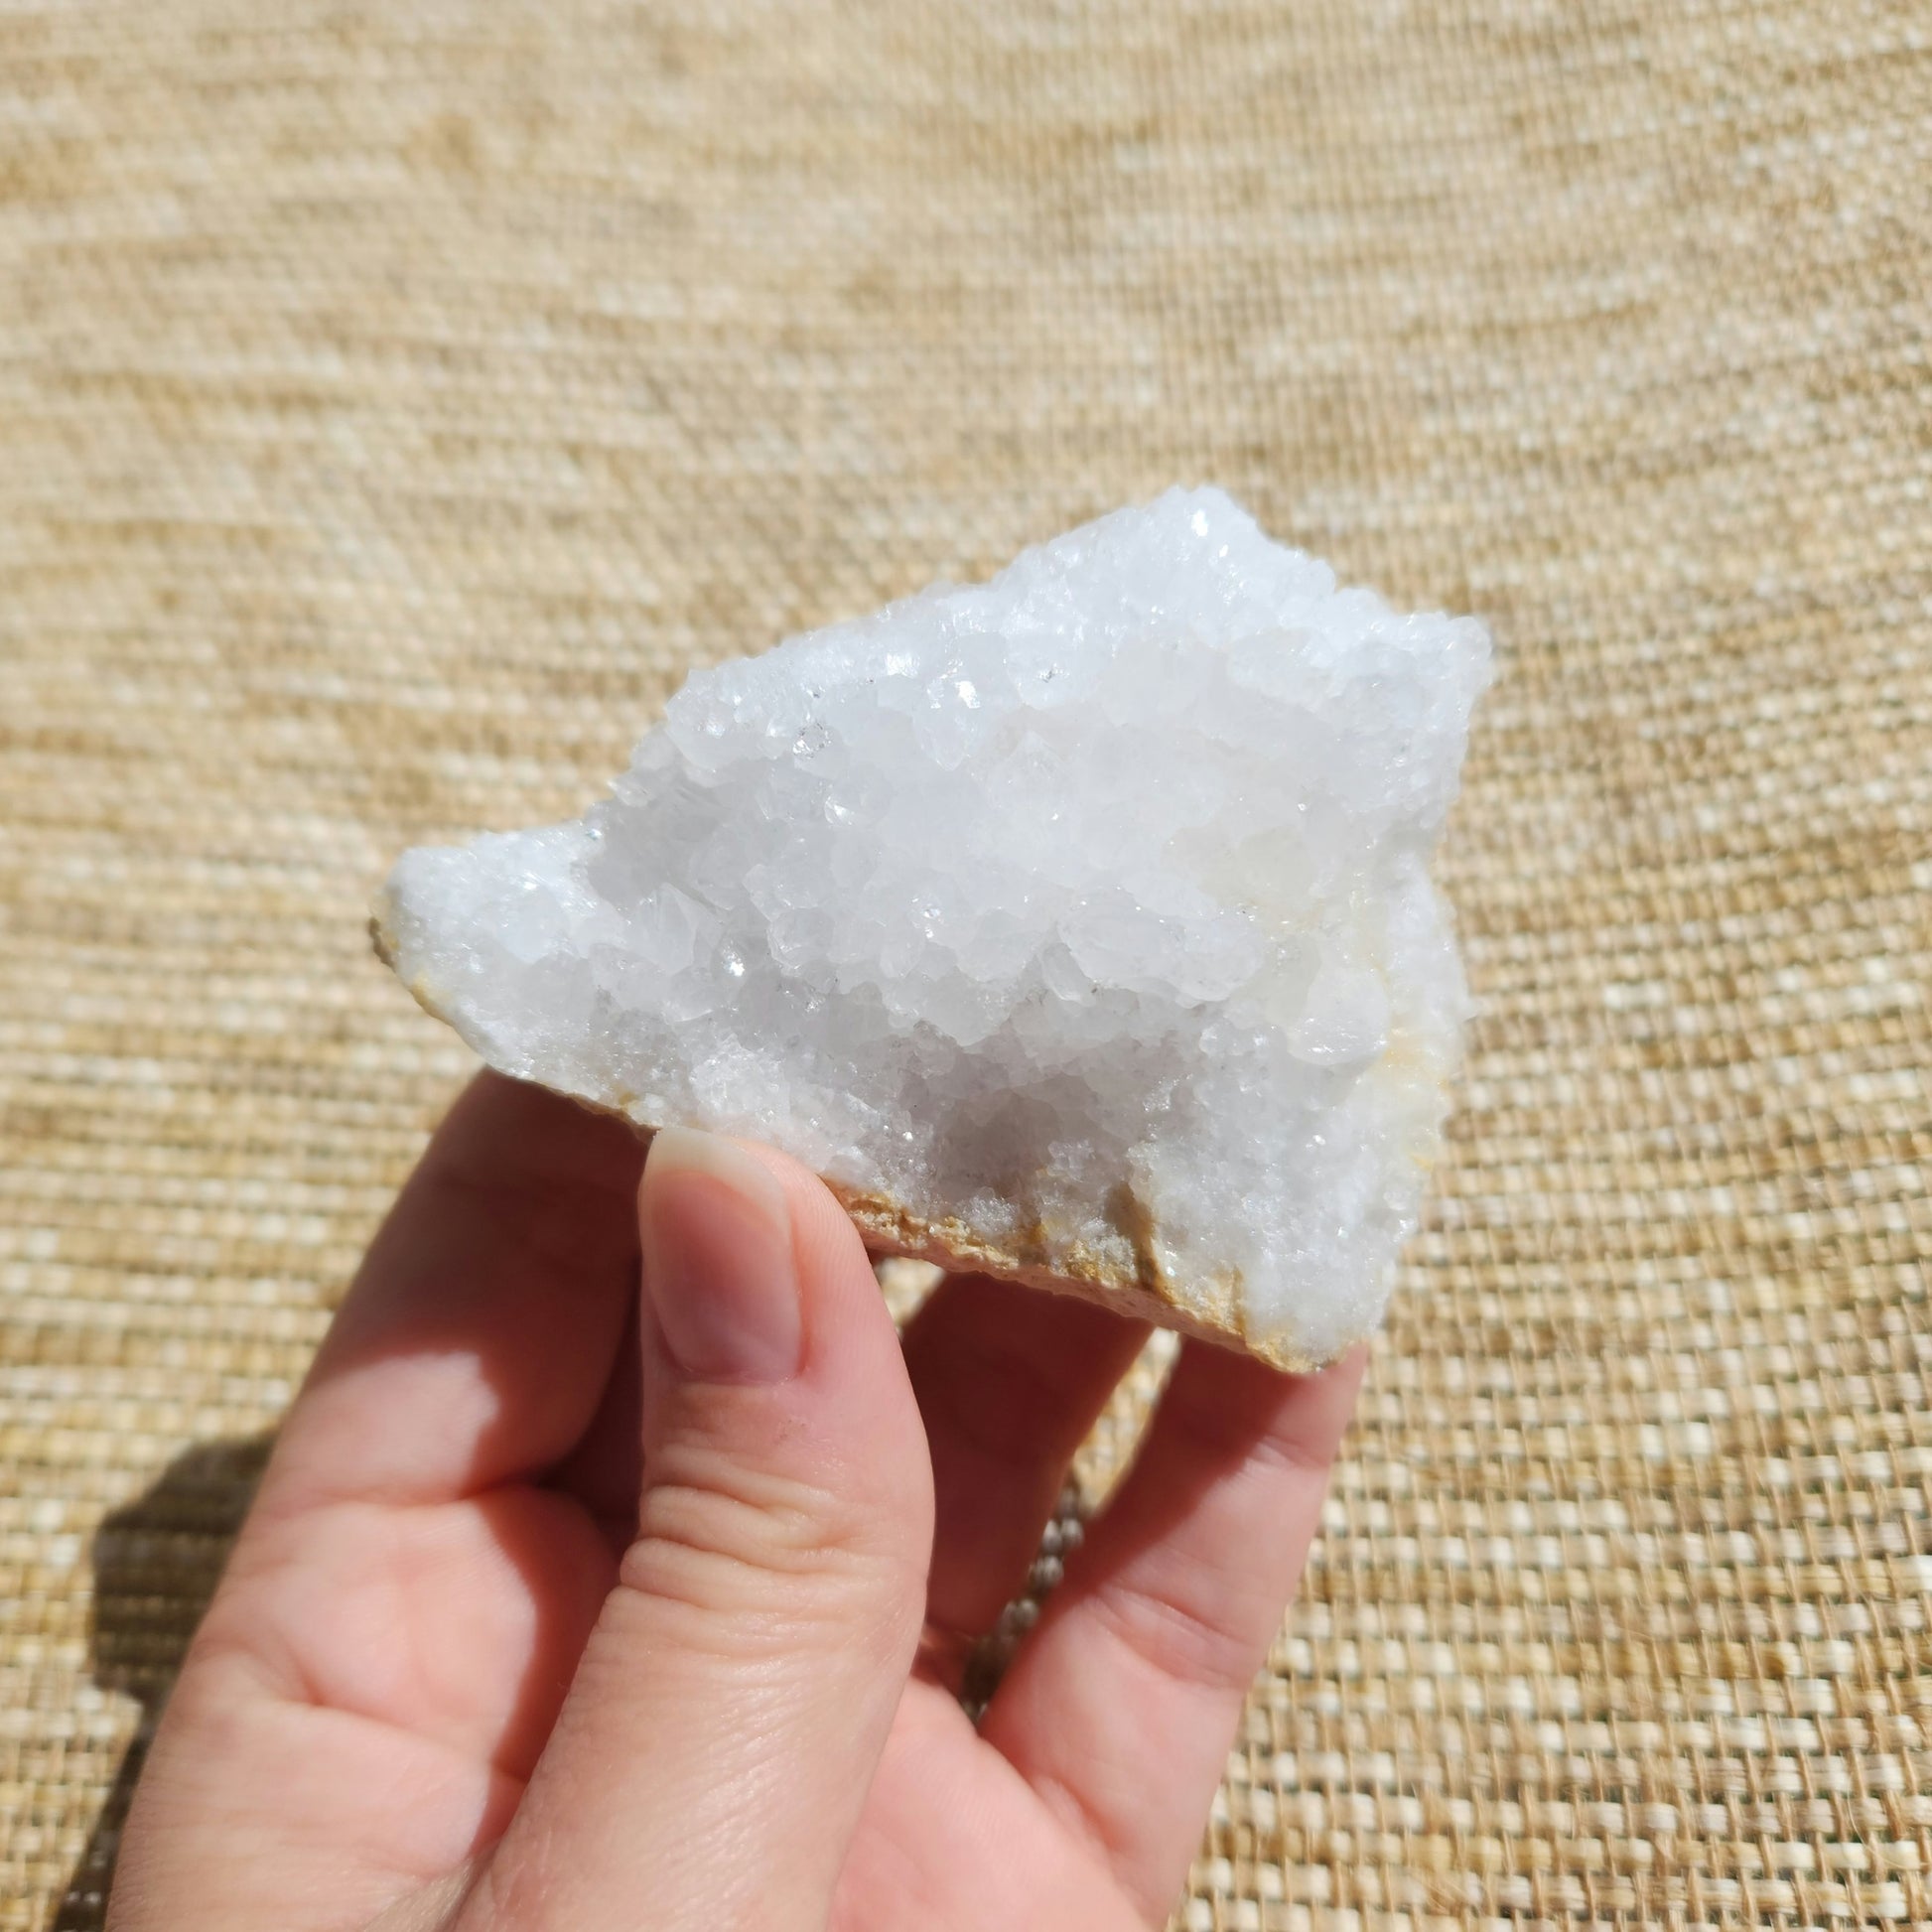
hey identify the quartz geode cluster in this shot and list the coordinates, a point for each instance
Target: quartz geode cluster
(1075, 926)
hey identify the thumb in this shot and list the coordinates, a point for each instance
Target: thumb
(711, 1760)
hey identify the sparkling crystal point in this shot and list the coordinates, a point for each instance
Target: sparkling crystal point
(1075, 925)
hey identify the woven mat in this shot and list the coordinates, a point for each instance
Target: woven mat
(396, 397)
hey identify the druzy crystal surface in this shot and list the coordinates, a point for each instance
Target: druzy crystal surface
(1082, 915)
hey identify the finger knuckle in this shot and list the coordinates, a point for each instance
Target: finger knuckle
(767, 1558)
(1183, 1642)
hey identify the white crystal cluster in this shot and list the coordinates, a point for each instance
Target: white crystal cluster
(1085, 910)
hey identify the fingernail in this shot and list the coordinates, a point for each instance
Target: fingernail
(718, 1260)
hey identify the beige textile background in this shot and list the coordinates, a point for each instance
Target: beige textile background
(395, 397)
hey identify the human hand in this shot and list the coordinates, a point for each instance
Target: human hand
(564, 1607)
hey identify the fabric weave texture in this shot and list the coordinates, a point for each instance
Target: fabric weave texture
(396, 399)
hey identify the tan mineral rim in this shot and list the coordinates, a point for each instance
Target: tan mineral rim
(1214, 1313)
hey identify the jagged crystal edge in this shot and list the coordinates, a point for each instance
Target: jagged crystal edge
(1086, 908)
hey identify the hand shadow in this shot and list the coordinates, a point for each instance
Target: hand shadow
(157, 1561)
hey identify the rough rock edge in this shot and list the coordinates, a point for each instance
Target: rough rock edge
(888, 1227)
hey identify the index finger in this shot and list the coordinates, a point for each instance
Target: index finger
(482, 1327)
(1118, 1710)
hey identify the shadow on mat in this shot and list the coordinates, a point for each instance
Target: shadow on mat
(156, 1564)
